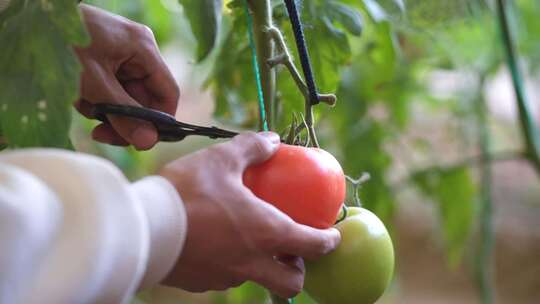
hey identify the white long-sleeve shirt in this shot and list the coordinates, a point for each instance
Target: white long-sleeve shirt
(74, 230)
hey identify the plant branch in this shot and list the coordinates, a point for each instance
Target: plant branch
(285, 58)
(356, 184)
(530, 130)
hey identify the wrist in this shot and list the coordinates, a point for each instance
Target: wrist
(167, 224)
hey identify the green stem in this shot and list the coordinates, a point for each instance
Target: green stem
(310, 124)
(262, 22)
(484, 255)
(530, 130)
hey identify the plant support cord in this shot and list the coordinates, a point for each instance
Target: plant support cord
(303, 53)
(256, 69)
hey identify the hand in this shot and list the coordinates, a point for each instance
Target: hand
(123, 66)
(232, 235)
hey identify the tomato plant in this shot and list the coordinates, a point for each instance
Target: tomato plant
(375, 54)
(360, 269)
(308, 184)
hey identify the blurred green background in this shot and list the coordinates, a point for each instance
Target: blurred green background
(425, 105)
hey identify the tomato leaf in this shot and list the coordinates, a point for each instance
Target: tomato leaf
(455, 193)
(160, 19)
(232, 79)
(329, 48)
(205, 19)
(348, 16)
(40, 72)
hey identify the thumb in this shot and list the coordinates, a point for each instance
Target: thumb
(254, 148)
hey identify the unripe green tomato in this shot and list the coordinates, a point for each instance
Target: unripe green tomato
(360, 269)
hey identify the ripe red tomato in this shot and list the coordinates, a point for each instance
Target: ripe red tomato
(308, 184)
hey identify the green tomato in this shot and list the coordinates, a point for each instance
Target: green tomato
(360, 269)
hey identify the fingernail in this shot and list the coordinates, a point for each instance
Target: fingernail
(272, 137)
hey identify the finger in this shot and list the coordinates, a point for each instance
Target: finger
(292, 261)
(149, 67)
(163, 85)
(253, 148)
(232, 283)
(84, 107)
(100, 85)
(138, 91)
(142, 135)
(306, 242)
(280, 235)
(284, 280)
(104, 133)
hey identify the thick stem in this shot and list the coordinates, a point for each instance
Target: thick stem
(262, 22)
(530, 130)
(484, 254)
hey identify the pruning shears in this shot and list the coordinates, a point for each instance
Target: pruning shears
(169, 129)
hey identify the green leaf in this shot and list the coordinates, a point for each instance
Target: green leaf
(375, 11)
(348, 16)
(159, 19)
(205, 19)
(232, 79)
(528, 33)
(329, 48)
(455, 192)
(40, 72)
(440, 13)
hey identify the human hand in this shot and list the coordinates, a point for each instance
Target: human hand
(123, 66)
(232, 235)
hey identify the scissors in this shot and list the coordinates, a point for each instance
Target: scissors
(168, 128)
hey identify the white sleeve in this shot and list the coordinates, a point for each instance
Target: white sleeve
(74, 230)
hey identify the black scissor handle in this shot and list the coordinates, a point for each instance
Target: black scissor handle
(169, 129)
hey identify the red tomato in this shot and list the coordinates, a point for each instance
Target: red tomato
(308, 184)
